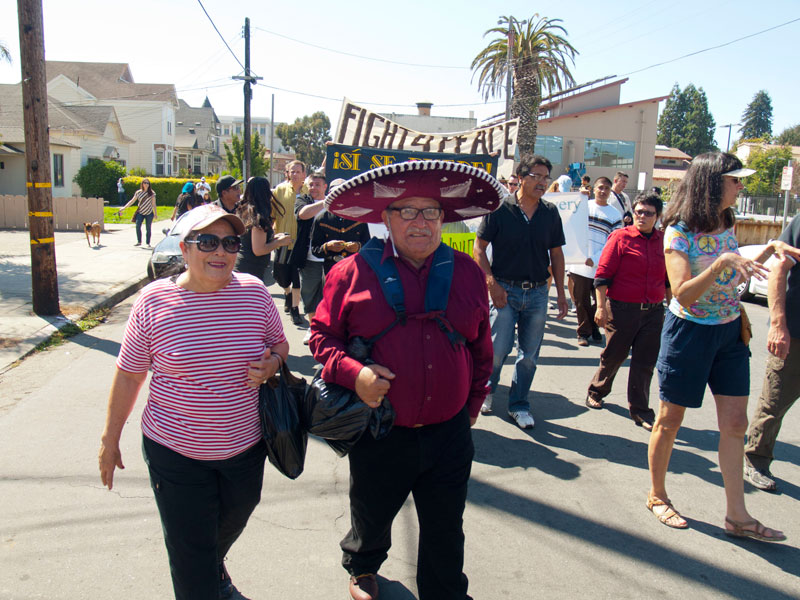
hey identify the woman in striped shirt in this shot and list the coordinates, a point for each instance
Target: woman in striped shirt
(210, 337)
(146, 198)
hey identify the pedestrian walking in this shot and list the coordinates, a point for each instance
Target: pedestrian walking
(424, 309)
(256, 212)
(120, 191)
(210, 337)
(145, 198)
(782, 378)
(630, 286)
(702, 342)
(526, 236)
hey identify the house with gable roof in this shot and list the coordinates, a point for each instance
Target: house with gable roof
(77, 135)
(145, 111)
(197, 139)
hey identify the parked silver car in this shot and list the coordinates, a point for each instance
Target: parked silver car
(753, 287)
(167, 259)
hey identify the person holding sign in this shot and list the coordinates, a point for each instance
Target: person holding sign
(526, 237)
(424, 309)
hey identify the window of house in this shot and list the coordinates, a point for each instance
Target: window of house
(197, 165)
(169, 127)
(551, 147)
(263, 130)
(614, 154)
(58, 170)
(159, 162)
(226, 130)
(169, 163)
(238, 130)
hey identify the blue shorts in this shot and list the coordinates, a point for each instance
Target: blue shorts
(693, 355)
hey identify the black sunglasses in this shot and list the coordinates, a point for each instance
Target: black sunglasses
(409, 213)
(208, 242)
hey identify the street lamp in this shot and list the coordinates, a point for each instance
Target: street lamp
(510, 45)
(729, 126)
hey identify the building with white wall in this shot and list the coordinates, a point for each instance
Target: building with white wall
(146, 111)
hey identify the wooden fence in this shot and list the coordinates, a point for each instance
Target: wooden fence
(69, 213)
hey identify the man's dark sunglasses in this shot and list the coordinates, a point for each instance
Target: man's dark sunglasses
(208, 242)
(409, 213)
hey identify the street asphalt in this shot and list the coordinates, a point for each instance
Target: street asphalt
(556, 512)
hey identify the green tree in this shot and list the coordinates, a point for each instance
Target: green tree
(98, 179)
(686, 123)
(670, 123)
(768, 163)
(539, 63)
(307, 137)
(757, 117)
(789, 136)
(234, 156)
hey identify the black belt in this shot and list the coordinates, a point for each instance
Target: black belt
(525, 285)
(637, 305)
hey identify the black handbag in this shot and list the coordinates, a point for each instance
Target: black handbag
(279, 401)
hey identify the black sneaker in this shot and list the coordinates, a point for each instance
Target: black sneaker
(760, 479)
(226, 587)
(597, 337)
(287, 304)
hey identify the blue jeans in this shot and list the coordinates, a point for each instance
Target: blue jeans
(148, 220)
(527, 310)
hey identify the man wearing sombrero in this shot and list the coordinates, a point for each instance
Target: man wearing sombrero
(431, 362)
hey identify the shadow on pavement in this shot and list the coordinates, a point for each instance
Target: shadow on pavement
(608, 539)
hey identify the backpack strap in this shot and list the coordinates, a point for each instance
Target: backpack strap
(388, 277)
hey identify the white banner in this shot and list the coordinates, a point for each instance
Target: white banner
(359, 126)
(574, 210)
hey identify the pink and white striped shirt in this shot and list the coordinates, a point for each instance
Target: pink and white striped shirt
(198, 346)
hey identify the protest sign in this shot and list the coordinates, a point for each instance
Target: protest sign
(348, 161)
(574, 210)
(359, 126)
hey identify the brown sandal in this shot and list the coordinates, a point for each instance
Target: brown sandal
(757, 533)
(667, 515)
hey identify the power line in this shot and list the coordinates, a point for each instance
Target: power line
(219, 34)
(342, 52)
(666, 62)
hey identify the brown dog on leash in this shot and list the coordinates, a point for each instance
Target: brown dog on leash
(93, 229)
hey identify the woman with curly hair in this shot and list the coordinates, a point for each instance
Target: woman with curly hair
(256, 212)
(701, 341)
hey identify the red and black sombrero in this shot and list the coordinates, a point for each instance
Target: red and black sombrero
(462, 190)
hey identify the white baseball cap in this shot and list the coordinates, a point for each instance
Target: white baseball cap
(739, 173)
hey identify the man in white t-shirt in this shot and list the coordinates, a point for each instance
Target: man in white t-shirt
(619, 199)
(603, 219)
(564, 182)
(202, 187)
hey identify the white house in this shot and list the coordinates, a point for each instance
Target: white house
(145, 111)
(197, 145)
(77, 134)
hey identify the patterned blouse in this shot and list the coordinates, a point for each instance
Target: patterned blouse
(719, 303)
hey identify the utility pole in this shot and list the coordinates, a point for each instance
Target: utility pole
(44, 277)
(248, 95)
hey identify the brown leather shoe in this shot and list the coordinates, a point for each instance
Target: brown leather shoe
(364, 587)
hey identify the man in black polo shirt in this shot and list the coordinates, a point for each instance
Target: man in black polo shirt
(228, 192)
(526, 237)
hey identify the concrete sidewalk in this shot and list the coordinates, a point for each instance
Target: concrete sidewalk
(88, 278)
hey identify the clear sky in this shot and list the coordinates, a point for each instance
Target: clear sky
(172, 41)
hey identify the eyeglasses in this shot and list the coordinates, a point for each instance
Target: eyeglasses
(537, 177)
(735, 180)
(208, 242)
(513, 184)
(409, 213)
(644, 213)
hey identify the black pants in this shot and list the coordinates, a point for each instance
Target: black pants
(637, 331)
(204, 507)
(433, 463)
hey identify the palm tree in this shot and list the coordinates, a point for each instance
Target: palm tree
(538, 63)
(5, 53)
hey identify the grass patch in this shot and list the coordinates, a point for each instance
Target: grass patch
(110, 214)
(73, 328)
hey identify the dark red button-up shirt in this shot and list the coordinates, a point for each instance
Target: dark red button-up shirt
(632, 266)
(433, 380)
